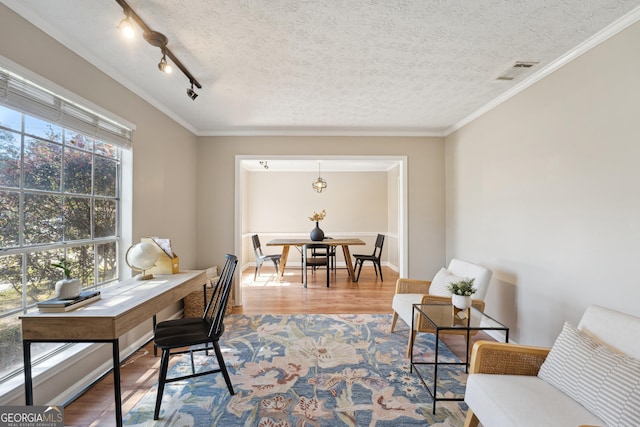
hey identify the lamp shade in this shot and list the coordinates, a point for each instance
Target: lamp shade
(319, 184)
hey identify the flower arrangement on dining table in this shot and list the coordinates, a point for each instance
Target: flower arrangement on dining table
(318, 216)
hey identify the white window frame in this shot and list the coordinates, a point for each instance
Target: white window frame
(44, 374)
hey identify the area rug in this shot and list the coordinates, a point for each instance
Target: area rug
(310, 370)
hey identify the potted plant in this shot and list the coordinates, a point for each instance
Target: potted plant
(461, 292)
(67, 288)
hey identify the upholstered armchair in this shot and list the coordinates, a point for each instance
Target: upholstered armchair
(412, 291)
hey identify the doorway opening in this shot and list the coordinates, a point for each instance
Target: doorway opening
(277, 200)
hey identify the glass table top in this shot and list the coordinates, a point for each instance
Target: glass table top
(445, 316)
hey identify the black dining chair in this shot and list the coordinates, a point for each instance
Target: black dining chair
(313, 262)
(188, 332)
(374, 257)
(261, 258)
(319, 252)
(316, 252)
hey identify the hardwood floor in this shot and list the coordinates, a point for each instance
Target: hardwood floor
(139, 373)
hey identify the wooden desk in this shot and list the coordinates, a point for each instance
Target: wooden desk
(287, 243)
(121, 308)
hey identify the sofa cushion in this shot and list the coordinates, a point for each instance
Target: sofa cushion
(403, 305)
(612, 328)
(603, 381)
(523, 401)
(440, 283)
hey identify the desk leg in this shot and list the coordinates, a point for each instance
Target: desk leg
(28, 380)
(435, 371)
(116, 381)
(347, 260)
(283, 262)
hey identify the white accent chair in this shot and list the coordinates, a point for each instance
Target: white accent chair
(590, 377)
(411, 291)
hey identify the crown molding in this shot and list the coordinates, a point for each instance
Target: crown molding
(608, 32)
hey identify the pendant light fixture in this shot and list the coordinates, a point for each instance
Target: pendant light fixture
(319, 184)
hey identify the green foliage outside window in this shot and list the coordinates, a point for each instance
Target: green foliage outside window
(58, 199)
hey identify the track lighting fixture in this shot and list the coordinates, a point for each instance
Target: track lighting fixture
(191, 93)
(164, 66)
(156, 39)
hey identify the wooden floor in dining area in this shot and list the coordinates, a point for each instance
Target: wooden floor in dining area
(265, 295)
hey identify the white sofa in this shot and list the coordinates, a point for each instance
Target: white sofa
(590, 377)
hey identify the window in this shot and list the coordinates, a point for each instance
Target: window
(61, 176)
(59, 198)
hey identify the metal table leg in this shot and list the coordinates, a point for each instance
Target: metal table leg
(116, 381)
(28, 380)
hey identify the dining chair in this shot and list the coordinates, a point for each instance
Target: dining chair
(319, 252)
(316, 252)
(374, 257)
(261, 258)
(313, 262)
(173, 336)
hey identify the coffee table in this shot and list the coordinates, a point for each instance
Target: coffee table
(445, 317)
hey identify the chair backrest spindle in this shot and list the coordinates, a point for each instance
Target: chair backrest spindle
(216, 307)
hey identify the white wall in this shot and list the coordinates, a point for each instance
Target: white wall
(284, 201)
(544, 191)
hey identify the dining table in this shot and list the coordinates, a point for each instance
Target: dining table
(344, 243)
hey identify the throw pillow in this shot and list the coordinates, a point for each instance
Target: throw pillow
(440, 283)
(603, 381)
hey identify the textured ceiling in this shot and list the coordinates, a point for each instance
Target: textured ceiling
(403, 67)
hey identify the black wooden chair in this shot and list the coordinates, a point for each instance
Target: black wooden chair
(313, 262)
(196, 331)
(261, 258)
(374, 257)
(316, 252)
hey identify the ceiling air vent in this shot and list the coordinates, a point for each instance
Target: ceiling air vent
(515, 70)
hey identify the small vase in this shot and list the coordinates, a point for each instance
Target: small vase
(68, 288)
(461, 301)
(317, 234)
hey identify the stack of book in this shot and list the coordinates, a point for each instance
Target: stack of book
(60, 305)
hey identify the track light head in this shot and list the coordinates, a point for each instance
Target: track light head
(191, 93)
(164, 66)
(126, 28)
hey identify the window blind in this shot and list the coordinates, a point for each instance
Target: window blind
(28, 97)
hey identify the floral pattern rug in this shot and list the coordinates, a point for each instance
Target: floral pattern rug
(310, 370)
